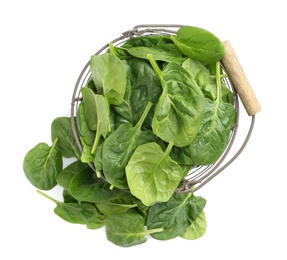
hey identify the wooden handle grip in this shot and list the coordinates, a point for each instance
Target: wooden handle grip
(240, 81)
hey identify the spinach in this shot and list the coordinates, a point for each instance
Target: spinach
(85, 214)
(175, 215)
(167, 52)
(196, 229)
(61, 129)
(109, 76)
(42, 164)
(115, 157)
(65, 176)
(127, 229)
(142, 87)
(198, 44)
(152, 175)
(217, 122)
(100, 120)
(86, 186)
(151, 109)
(179, 110)
(147, 41)
(201, 76)
(85, 133)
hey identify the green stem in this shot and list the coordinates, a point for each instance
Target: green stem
(218, 80)
(144, 115)
(167, 152)
(155, 67)
(155, 230)
(46, 196)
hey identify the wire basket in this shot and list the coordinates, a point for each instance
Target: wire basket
(197, 177)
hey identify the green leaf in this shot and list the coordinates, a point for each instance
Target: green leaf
(201, 76)
(147, 41)
(127, 229)
(85, 214)
(142, 87)
(212, 138)
(179, 110)
(65, 176)
(108, 73)
(85, 133)
(86, 186)
(199, 44)
(175, 215)
(152, 175)
(167, 53)
(42, 164)
(61, 129)
(118, 148)
(197, 228)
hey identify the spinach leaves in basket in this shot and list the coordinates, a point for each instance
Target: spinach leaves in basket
(153, 108)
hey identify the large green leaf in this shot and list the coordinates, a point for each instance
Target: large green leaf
(152, 175)
(118, 148)
(175, 215)
(179, 110)
(212, 138)
(199, 44)
(42, 164)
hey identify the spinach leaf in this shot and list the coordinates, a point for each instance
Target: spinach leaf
(115, 206)
(61, 129)
(198, 44)
(65, 176)
(196, 229)
(42, 164)
(127, 229)
(147, 41)
(202, 77)
(76, 213)
(108, 73)
(86, 186)
(179, 110)
(175, 215)
(100, 120)
(218, 120)
(115, 157)
(85, 132)
(142, 87)
(167, 53)
(152, 175)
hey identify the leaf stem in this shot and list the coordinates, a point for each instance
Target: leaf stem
(46, 196)
(151, 231)
(144, 115)
(155, 67)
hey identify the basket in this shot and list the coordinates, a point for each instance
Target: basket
(237, 82)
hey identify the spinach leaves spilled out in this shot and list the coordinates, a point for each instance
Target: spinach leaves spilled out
(154, 107)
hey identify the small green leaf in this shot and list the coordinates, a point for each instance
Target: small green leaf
(61, 129)
(197, 228)
(127, 229)
(42, 164)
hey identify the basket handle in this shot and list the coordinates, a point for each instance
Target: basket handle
(240, 81)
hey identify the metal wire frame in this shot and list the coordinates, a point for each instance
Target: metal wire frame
(197, 177)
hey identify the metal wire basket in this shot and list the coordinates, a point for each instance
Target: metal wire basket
(237, 82)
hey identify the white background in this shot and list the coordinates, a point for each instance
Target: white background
(43, 47)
